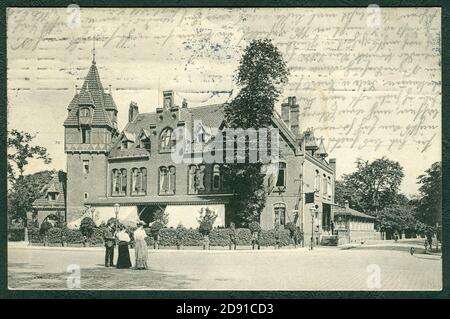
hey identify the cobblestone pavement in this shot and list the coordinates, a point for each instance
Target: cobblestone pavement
(289, 269)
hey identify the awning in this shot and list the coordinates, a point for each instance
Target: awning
(127, 215)
(187, 215)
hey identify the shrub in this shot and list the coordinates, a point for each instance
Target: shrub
(45, 226)
(193, 238)
(74, 236)
(254, 227)
(168, 237)
(87, 227)
(54, 235)
(243, 237)
(34, 234)
(206, 220)
(273, 237)
(149, 240)
(16, 234)
(155, 229)
(96, 236)
(219, 237)
(181, 234)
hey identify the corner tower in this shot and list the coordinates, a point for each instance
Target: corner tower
(90, 130)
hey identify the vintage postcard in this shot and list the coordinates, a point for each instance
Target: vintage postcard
(237, 149)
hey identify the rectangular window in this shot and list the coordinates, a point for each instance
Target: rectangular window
(281, 179)
(86, 167)
(85, 135)
(280, 215)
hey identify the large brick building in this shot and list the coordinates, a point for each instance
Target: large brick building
(135, 167)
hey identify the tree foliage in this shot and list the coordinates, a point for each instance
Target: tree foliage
(372, 187)
(429, 205)
(261, 75)
(25, 191)
(20, 151)
(206, 220)
(87, 227)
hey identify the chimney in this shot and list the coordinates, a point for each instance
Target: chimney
(168, 99)
(294, 116)
(133, 111)
(346, 204)
(285, 113)
(332, 162)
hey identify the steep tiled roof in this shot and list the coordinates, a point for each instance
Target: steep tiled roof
(321, 151)
(92, 93)
(56, 185)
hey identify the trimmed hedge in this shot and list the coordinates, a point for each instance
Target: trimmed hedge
(168, 237)
(193, 238)
(243, 237)
(16, 234)
(274, 237)
(219, 237)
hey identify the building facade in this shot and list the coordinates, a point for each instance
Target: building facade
(142, 170)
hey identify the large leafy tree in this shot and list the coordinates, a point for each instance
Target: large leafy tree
(261, 75)
(429, 205)
(24, 189)
(20, 151)
(373, 186)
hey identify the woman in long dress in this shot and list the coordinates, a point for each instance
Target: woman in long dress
(123, 261)
(140, 247)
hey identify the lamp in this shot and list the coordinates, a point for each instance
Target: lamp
(92, 212)
(116, 212)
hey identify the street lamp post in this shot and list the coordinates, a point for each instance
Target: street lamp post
(92, 212)
(116, 212)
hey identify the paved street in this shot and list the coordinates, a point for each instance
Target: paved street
(326, 268)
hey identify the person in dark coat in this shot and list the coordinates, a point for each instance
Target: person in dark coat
(110, 242)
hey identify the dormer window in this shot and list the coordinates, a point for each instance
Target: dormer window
(124, 145)
(85, 112)
(52, 196)
(146, 144)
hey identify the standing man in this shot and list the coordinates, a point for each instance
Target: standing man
(110, 242)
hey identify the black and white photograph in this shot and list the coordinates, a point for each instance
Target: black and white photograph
(224, 148)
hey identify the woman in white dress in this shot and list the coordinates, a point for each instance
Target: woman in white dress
(140, 246)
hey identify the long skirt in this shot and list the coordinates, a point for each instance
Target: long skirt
(123, 261)
(141, 254)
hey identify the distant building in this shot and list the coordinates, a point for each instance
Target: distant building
(135, 168)
(353, 226)
(51, 204)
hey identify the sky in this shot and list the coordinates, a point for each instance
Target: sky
(368, 80)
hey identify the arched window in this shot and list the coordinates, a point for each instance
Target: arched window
(217, 178)
(192, 185)
(166, 140)
(279, 210)
(317, 182)
(119, 182)
(167, 176)
(325, 185)
(85, 112)
(123, 185)
(139, 181)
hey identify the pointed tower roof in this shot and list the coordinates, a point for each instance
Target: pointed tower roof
(321, 151)
(310, 141)
(92, 93)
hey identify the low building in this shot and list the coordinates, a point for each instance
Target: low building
(51, 205)
(352, 226)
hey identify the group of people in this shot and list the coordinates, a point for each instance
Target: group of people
(113, 235)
